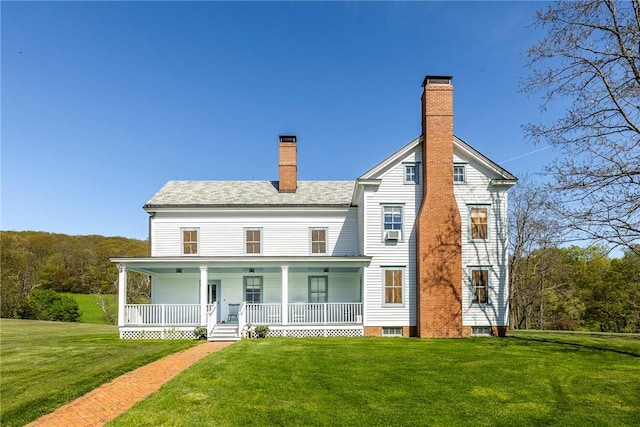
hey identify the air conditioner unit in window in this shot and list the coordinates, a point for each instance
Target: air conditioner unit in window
(394, 235)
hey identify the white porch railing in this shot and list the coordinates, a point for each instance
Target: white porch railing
(263, 313)
(162, 314)
(324, 313)
(260, 314)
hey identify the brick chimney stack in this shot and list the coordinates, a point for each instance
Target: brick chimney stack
(439, 233)
(288, 164)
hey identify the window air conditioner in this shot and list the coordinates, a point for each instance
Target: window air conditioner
(393, 235)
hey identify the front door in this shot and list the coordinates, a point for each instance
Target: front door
(213, 295)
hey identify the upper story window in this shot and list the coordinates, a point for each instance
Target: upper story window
(318, 240)
(253, 240)
(480, 285)
(459, 174)
(393, 285)
(411, 173)
(189, 241)
(479, 222)
(392, 222)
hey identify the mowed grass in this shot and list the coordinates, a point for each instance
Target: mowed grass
(526, 379)
(47, 364)
(90, 311)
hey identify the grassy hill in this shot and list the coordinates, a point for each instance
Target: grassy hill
(90, 311)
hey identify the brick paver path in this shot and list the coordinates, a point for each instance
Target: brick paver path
(116, 397)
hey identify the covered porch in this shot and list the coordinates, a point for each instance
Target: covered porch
(294, 296)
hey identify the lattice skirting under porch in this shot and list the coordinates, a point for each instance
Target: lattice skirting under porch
(168, 334)
(309, 333)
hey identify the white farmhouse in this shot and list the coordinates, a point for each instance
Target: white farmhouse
(416, 246)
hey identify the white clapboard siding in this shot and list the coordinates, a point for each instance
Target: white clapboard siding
(283, 233)
(491, 253)
(392, 190)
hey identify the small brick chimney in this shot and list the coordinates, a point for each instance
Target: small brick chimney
(288, 164)
(439, 233)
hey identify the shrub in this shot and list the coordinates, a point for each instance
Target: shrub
(200, 333)
(261, 331)
(45, 304)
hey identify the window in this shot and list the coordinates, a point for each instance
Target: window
(393, 285)
(392, 221)
(411, 173)
(459, 174)
(318, 288)
(392, 331)
(253, 289)
(392, 217)
(318, 240)
(253, 240)
(479, 220)
(480, 285)
(189, 241)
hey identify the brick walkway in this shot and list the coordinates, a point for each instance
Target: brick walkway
(109, 400)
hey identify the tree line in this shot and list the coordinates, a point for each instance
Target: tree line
(34, 260)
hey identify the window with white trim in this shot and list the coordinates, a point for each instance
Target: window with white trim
(318, 240)
(253, 289)
(318, 288)
(480, 285)
(391, 218)
(189, 241)
(479, 222)
(411, 173)
(253, 240)
(392, 279)
(459, 173)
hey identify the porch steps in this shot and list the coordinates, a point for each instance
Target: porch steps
(223, 332)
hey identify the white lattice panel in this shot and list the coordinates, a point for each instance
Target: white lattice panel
(157, 335)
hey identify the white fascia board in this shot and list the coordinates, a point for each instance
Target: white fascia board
(259, 209)
(396, 156)
(471, 152)
(359, 188)
(250, 261)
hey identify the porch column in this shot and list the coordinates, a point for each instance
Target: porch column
(285, 294)
(204, 282)
(122, 293)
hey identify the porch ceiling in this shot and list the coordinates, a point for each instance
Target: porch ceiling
(159, 265)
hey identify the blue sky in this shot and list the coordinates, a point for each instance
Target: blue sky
(104, 102)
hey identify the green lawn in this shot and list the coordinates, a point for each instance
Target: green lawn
(47, 364)
(90, 311)
(526, 379)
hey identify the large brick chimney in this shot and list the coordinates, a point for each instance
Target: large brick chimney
(288, 164)
(439, 254)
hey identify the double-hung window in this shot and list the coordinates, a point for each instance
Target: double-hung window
(253, 289)
(459, 173)
(253, 241)
(480, 285)
(189, 241)
(411, 173)
(393, 280)
(479, 222)
(318, 288)
(392, 220)
(318, 240)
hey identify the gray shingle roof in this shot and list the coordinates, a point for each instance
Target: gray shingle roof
(251, 193)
